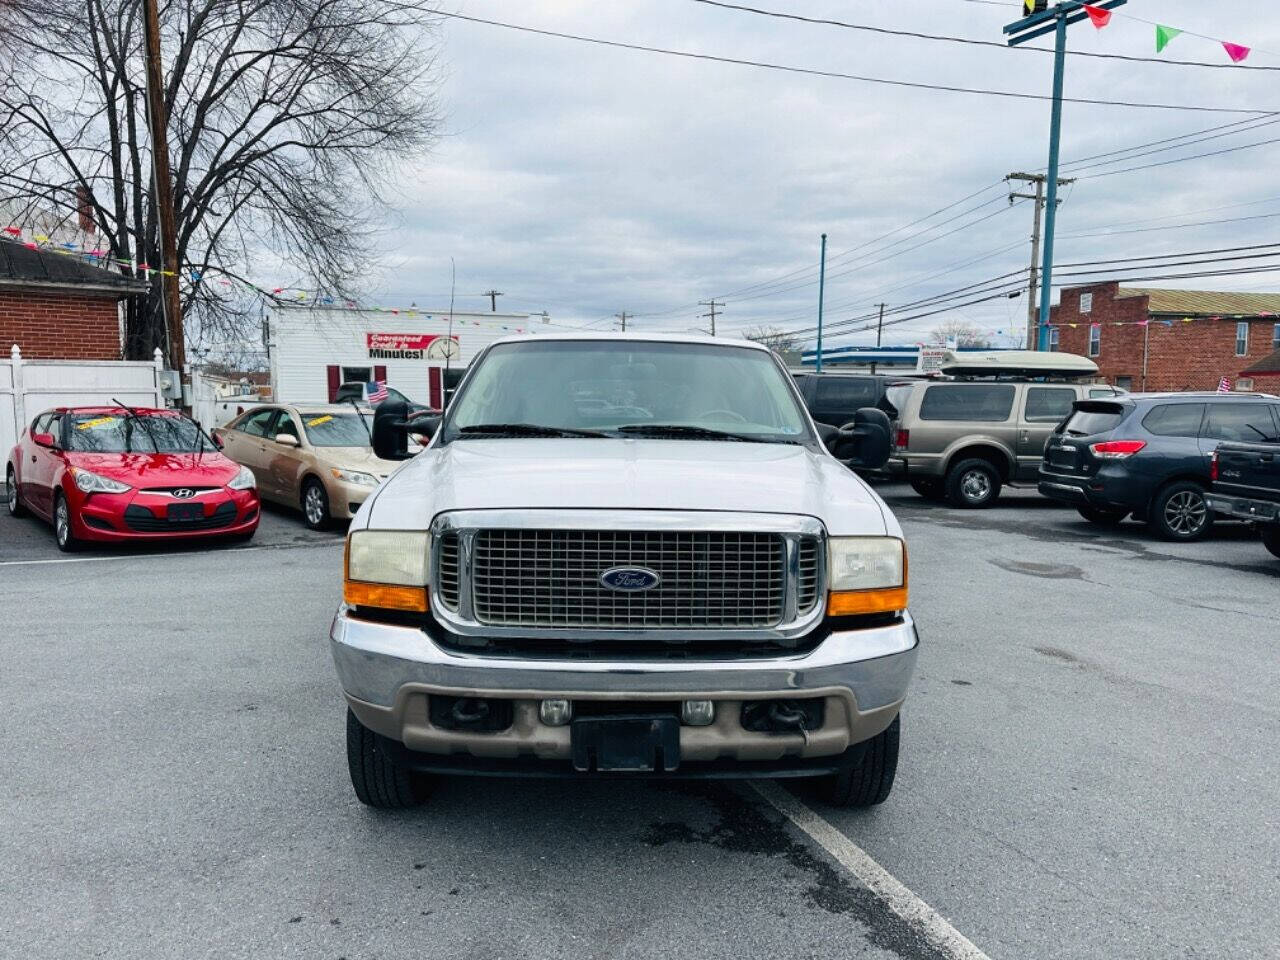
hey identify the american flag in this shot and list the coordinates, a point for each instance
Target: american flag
(377, 391)
(1224, 385)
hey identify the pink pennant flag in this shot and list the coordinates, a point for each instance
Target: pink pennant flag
(1236, 52)
(1097, 16)
(15, 231)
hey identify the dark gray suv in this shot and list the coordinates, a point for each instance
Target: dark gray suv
(1149, 456)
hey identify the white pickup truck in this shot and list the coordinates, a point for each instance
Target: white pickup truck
(625, 556)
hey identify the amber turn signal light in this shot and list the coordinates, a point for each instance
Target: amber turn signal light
(386, 596)
(846, 603)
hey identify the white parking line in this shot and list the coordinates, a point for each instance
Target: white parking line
(183, 553)
(945, 938)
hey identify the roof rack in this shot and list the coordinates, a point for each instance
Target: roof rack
(1018, 364)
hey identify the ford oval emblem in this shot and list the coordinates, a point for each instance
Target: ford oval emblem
(629, 579)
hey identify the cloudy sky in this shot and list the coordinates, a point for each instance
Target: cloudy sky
(585, 180)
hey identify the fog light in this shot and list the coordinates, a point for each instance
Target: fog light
(555, 713)
(697, 713)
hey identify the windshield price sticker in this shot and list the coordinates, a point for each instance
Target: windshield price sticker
(95, 422)
(316, 421)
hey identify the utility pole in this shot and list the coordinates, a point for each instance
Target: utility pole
(1039, 180)
(159, 126)
(822, 289)
(623, 317)
(879, 330)
(712, 304)
(1039, 24)
(493, 296)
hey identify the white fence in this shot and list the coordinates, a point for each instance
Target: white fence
(30, 386)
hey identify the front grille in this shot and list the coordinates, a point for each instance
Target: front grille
(551, 578)
(168, 491)
(807, 575)
(144, 521)
(447, 576)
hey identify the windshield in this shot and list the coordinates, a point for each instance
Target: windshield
(597, 387)
(122, 433)
(337, 429)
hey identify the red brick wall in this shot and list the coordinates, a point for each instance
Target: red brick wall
(56, 326)
(1181, 356)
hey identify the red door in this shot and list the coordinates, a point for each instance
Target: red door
(41, 466)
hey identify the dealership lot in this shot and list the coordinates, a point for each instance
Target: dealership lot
(1088, 772)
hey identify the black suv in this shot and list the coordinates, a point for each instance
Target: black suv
(834, 398)
(1150, 455)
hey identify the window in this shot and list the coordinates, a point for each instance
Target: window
(337, 429)
(1242, 338)
(1175, 419)
(1048, 404)
(1096, 393)
(357, 374)
(987, 403)
(1124, 383)
(1239, 421)
(1275, 337)
(255, 423)
(1095, 419)
(845, 393)
(1244, 384)
(284, 425)
(1095, 340)
(1053, 339)
(1086, 303)
(122, 433)
(41, 423)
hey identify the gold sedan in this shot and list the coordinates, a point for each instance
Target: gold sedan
(317, 458)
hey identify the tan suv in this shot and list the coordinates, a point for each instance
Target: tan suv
(962, 440)
(316, 457)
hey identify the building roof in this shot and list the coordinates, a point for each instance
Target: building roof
(1266, 367)
(22, 266)
(1205, 302)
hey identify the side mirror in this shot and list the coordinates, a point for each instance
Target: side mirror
(863, 444)
(286, 440)
(217, 440)
(392, 425)
(44, 440)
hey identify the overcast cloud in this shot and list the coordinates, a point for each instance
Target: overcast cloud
(585, 181)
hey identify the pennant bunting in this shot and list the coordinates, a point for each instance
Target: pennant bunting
(1029, 6)
(1097, 16)
(1164, 35)
(1236, 52)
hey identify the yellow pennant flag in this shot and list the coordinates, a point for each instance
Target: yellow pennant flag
(1030, 5)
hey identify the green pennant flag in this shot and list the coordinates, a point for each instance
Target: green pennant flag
(1164, 35)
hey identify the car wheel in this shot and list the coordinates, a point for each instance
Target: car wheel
(16, 509)
(973, 484)
(1103, 518)
(378, 780)
(930, 488)
(1180, 513)
(315, 505)
(867, 782)
(63, 532)
(1271, 539)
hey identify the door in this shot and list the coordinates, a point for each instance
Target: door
(41, 464)
(246, 443)
(1043, 408)
(283, 461)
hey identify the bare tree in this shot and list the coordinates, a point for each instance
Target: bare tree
(287, 119)
(775, 339)
(963, 332)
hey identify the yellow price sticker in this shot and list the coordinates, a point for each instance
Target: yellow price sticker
(95, 422)
(316, 421)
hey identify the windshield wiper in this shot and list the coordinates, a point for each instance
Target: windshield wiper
(524, 430)
(360, 414)
(680, 430)
(133, 414)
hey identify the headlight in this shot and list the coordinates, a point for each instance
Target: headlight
(388, 569)
(355, 476)
(243, 480)
(866, 575)
(93, 483)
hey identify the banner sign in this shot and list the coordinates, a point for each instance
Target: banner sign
(411, 346)
(931, 359)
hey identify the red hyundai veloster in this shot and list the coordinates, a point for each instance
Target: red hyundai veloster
(119, 474)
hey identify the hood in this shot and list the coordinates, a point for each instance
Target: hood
(355, 458)
(208, 469)
(626, 474)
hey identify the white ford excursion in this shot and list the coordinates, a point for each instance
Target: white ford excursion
(625, 556)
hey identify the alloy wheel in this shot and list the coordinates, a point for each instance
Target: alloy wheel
(10, 491)
(976, 486)
(62, 522)
(314, 505)
(1185, 513)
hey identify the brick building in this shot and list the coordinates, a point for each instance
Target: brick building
(58, 307)
(1146, 339)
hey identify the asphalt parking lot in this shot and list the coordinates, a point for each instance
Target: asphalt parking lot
(1089, 771)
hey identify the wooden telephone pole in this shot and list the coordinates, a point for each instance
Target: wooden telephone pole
(163, 195)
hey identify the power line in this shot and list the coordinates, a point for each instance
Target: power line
(835, 75)
(1195, 156)
(1244, 125)
(820, 21)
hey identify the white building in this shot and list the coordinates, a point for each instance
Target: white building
(315, 348)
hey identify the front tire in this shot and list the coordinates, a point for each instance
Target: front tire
(1101, 517)
(315, 505)
(1271, 539)
(869, 781)
(63, 528)
(928, 487)
(16, 509)
(973, 484)
(378, 780)
(1179, 512)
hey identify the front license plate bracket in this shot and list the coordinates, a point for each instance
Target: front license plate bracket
(185, 512)
(625, 744)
